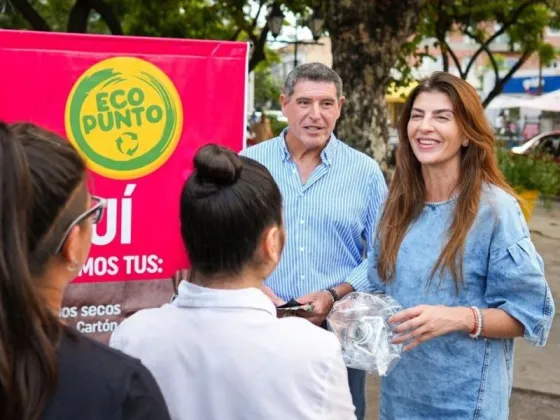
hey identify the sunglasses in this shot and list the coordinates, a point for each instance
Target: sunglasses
(95, 213)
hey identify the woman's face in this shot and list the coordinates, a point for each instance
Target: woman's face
(433, 131)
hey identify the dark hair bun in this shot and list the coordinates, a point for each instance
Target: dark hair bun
(217, 165)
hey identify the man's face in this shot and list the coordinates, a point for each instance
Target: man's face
(312, 112)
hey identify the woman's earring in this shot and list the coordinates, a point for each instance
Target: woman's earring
(465, 143)
(73, 266)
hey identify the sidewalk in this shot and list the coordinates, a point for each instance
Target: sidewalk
(536, 393)
(538, 369)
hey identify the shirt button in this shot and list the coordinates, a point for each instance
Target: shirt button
(301, 248)
(302, 221)
(302, 277)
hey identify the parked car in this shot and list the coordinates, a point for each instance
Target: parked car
(547, 143)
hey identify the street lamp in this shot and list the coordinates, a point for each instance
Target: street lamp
(316, 24)
(276, 19)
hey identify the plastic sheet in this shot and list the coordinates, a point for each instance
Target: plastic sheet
(359, 320)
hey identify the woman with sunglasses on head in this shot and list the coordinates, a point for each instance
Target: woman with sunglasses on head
(48, 371)
(454, 249)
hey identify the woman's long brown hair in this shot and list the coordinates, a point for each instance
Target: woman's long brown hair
(39, 173)
(407, 190)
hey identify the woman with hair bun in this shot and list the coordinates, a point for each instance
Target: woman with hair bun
(219, 352)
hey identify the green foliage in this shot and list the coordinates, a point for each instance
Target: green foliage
(196, 19)
(277, 126)
(267, 88)
(522, 21)
(524, 172)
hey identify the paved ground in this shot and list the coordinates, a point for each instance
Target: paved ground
(536, 394)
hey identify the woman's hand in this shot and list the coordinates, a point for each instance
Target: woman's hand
(424, 322)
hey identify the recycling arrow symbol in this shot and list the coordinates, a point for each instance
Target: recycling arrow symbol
(132, 138)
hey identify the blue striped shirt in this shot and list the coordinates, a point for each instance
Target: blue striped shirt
(328, 219)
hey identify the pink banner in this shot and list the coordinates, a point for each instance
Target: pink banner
(202, 83)
(137, 109)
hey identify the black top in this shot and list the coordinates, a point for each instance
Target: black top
(96, 382)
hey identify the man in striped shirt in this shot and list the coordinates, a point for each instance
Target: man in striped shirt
(332, 196)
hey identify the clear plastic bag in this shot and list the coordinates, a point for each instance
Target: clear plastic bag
(359, 320)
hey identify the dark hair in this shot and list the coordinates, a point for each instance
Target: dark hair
(315, 72)
(226, 204)
(40, 173)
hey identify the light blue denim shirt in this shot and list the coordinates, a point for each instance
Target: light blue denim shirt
(454, 376)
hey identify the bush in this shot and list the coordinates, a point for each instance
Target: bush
(277, 126)
(526, 172)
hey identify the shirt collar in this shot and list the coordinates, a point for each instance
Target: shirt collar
(193, 296)
(327, 154)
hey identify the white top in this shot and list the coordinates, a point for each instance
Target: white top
(224, 355)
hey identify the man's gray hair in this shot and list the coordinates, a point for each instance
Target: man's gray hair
(314, 72)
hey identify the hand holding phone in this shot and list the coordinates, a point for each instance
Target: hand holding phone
(294, 305)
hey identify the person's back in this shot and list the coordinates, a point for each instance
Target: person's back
(96, 382)
(219, 352)
(239, 361)
(48, 371)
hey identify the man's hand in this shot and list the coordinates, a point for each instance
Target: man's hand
(322, 304)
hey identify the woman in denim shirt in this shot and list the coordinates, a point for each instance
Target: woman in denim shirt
(454, 249)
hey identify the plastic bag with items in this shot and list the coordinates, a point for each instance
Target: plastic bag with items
(359, 320)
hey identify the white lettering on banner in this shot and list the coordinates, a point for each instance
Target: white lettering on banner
(96, 327)
(532, 83)
(141, 264)
(111, 220)
(126, 215)
(100, 266)
(100, 310)
(130, 264)
(90, 311)
(66, 313)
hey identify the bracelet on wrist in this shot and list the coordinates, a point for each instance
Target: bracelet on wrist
(478, 323)
(334, 294)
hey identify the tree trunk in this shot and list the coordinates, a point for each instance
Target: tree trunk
(79, 16)
(367, 38)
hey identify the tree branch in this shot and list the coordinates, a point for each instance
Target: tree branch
(441, 29)
(78, 17)
(500, 83)
(258, 49)
(241, 23)
(106, 12)
(31, 15)
(236, 34)
(455, 59)
(254, 24)
(488, 53)
(501, 31)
